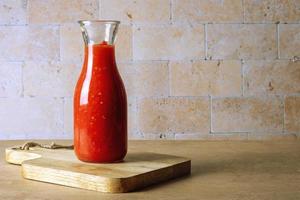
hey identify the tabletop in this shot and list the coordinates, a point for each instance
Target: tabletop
(220, 170)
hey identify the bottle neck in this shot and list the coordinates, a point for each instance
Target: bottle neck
(97, 31)
(101, 57)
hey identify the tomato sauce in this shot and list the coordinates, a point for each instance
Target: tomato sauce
(100, 108)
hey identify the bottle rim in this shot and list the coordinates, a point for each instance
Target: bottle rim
(87, 22)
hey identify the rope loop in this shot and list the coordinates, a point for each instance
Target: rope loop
(28, 145)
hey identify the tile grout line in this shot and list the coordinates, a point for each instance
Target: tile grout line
(169, 78)
(63, 116)
(171, 10)
(99, 6)
(192, 59)
(157, 25)
(205, 42)
(283, 125)
(22, 79)
(27, 12)
(145, 24)
(243, 78)
(277, 41)
(244, 13)
(133, 27)
(59, 40)
(137, 113)
(210, 99)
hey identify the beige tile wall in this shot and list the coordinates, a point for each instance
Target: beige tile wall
(193, 69)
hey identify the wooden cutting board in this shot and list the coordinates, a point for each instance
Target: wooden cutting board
(60, 166)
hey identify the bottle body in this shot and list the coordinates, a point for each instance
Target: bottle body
(100, 108)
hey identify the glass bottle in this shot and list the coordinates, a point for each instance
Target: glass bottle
(100, 103)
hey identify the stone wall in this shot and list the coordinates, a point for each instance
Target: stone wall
(193, 69)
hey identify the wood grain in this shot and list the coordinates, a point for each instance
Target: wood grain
(138, 170)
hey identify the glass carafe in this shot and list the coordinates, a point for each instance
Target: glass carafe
(100, 103)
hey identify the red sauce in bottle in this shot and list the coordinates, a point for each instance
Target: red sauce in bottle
(100, 108)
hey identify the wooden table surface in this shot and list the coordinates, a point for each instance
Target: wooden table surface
(220, 170)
